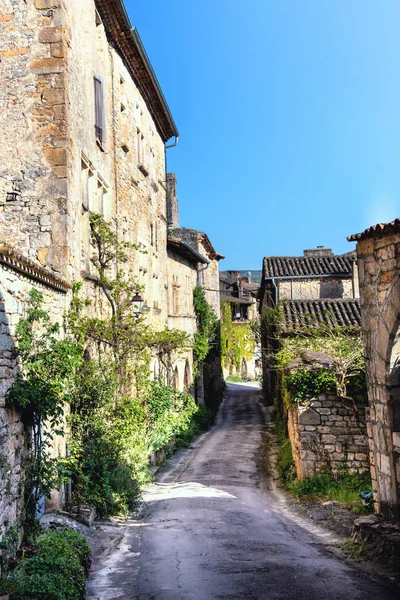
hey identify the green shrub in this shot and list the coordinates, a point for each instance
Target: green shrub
(57, 570)
(344, 487)
(307, 383)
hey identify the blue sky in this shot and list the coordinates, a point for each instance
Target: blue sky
(289, 118)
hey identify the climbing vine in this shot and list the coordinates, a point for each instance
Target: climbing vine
(44, 385)
(237, 340)
(206, 326)
(321, 358)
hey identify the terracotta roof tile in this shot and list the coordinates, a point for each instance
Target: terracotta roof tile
(296, 266)
(375, 230)
(336, 312)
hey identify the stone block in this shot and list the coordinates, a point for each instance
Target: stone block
(47, 65)
(15, 52)
(43, 4)
(56, 156)
(329, 439)
(308, 416)
(54, 96)
(57, 50)
(50, 35)
(360, 440)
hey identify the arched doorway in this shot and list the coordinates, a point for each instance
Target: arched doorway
(187, 378)
(243, 370)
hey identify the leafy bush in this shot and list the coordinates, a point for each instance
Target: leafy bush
(307, 383)
(343, 487)
(57, 570)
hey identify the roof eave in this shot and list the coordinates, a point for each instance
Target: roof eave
(127, 41)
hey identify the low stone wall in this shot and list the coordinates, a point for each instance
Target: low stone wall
(328, 432)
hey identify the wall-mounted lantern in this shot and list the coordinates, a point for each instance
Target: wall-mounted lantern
(137, 305)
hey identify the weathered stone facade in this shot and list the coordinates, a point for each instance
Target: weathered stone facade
(84, 125)
(83, 130)
(328, 433)
(378, 257)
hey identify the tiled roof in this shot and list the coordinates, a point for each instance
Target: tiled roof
(184, 249)
(297, 266)
(127, 42)
(336, 312)
(375, 230)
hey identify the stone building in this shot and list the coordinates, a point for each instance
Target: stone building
(316, 289)
(378, 257)
(192, 261)
(242, 296)
(84, 129)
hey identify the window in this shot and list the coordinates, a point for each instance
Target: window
(86, 185)
(175, 295)
(99, 110)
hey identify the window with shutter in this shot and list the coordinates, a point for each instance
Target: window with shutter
(99, 109)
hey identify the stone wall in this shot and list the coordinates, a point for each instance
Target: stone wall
(378, 260)
(14, 290)
(34, 151)
(182, 276)
(328, 432)
(313, 289)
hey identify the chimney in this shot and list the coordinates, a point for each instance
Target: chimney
(318, 251)
(172, 202)
(233, 276)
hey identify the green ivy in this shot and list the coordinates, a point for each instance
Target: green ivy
(307, 383)
(206, 326)
(237, 340)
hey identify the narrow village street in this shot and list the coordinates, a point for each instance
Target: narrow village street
(213, 528)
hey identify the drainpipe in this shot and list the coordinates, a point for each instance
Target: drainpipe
(174, 144)
(276, 291)
(201, 258)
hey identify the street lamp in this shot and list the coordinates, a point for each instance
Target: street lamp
(137, 305)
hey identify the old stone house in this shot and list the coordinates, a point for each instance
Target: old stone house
(242, 297)
(84, 129)
(318, 286)
(316, 289)
(192, 262)
(378, 257)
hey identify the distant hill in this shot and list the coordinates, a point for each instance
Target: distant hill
(255, 275)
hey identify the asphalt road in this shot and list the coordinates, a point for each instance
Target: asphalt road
(214, 529)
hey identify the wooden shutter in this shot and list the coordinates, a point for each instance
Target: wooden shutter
(99, 109)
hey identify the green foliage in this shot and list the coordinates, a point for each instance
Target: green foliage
(237, 340)
(307, 383)
(206, 326)
(344, 487)
(45, 384)
(170, 416)
(340, 347)
(8, 548)
(57, 570)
